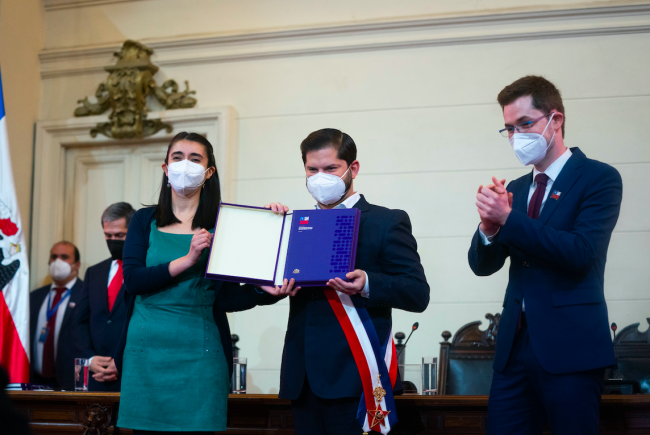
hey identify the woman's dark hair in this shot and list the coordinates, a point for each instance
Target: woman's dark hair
(206, 213)
(330, 138)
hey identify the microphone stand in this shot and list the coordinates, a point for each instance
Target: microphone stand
(415, 326)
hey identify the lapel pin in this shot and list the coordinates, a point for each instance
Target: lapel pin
(71, 305)
(556, 194)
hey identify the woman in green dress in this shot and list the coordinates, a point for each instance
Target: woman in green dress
(175, 358)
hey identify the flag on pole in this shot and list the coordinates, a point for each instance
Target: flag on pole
(14, 272)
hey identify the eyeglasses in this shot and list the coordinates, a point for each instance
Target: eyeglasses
(521, 128)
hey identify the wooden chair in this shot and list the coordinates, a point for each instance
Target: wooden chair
(632, 348)
(466, 362)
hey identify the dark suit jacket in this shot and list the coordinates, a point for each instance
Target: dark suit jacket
(139, 280)
(99, 330)
(66, 348)
(315, 345)
(557, 263)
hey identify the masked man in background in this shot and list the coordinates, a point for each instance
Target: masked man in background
(52, 309)
(555, 224)
(102, 312)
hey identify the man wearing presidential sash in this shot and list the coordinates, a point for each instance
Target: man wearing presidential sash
(339, 366)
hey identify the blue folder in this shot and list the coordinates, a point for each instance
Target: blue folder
(252, 245)
(322, 245)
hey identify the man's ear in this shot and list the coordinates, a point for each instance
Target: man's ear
(558, 120)
(354, 168)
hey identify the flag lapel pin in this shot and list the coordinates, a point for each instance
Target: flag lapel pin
(556, 194)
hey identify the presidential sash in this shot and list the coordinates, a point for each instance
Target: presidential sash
(377, 407)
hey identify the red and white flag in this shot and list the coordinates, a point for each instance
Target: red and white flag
(14, 271)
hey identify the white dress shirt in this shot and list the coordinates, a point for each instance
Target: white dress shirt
(552, 172)
(113, 272)
(350, 203)
(42, 322)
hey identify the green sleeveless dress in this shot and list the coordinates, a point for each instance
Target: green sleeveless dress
(174, 375)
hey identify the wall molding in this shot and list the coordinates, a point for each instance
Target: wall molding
(53, 5)
(553, 24)
(54, 137)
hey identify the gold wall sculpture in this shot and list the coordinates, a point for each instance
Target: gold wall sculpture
(125, 91)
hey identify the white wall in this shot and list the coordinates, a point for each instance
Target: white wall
(416, 87)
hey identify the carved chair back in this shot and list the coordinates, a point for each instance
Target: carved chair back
(466, 362)
(632, 348)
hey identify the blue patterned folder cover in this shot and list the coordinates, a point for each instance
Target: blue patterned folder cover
(322, 245)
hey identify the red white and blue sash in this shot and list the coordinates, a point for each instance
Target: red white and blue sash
(371, 360)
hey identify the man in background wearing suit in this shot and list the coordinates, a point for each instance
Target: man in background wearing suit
(101, 312)
(555, 224)
(319, 374)
(52, 308)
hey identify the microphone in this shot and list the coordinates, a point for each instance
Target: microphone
(614, 328)
(415, 326)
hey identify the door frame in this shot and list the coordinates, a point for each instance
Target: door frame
(54, 136)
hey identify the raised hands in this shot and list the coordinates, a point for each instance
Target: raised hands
(494, 204)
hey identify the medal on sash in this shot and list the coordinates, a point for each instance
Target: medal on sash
(377, 407)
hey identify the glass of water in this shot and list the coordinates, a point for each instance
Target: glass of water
(81, 366)
(238, 381)
(429, 375)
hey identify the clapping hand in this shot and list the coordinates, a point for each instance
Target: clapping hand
(494, 205)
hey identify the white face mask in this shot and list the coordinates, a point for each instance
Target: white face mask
(531, 148)
(59, 269)
(326, 188)
(185, 176)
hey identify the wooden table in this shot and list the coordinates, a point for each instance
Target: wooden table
(252, 414)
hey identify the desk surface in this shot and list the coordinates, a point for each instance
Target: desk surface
(68, 413)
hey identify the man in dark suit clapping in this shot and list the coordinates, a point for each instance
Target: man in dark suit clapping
(555, 224)
(52, 310)
(101, 312)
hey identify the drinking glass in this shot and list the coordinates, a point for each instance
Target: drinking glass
(429, 375)
(81, 366)
(239, 376)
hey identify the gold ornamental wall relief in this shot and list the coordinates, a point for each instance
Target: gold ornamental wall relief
(125, 91)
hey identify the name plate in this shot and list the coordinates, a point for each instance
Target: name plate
(253, 245)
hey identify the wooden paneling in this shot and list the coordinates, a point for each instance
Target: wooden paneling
(260, 414)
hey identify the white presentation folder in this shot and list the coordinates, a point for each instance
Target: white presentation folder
(249, 245)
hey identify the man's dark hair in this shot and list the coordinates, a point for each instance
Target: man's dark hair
(206, 213)
(330, 138)
(77, 255)
(545, 96)
(117, 211)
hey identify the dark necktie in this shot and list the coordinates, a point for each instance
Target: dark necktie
(48, 367)
(536, 200)
(533, 212)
